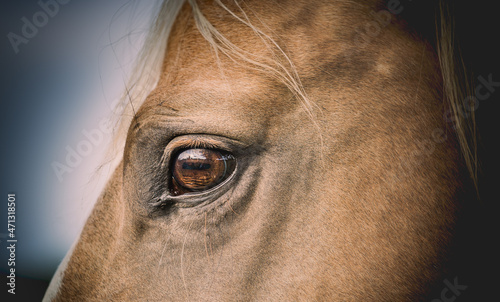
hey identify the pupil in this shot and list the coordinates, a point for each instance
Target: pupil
(200, 169)
(193, 166)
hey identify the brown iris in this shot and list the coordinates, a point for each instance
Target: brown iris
(200, 169)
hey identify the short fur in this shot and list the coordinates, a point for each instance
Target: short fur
(348, 178)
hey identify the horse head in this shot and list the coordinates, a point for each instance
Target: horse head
(291, 150)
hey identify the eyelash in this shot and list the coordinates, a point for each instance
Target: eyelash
(192, 144)
(166, 161)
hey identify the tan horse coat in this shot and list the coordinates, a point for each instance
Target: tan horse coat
(345, 188)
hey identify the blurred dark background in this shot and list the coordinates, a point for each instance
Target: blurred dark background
(476, 261)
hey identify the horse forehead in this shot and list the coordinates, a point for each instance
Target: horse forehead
(224, 93)
(309, 32)
(312, 34)
(219, 105)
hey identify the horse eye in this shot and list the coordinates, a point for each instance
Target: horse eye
(200, 169)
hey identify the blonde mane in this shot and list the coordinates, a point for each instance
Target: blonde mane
(456, 90)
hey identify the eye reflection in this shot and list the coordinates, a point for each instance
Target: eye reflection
(195, 170)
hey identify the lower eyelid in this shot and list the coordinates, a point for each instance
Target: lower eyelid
(192, 199)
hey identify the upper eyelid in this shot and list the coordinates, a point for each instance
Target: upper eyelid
(197, 141)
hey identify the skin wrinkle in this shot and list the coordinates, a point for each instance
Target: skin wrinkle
(354, 211)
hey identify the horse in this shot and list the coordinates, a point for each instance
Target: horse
(286, 151)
